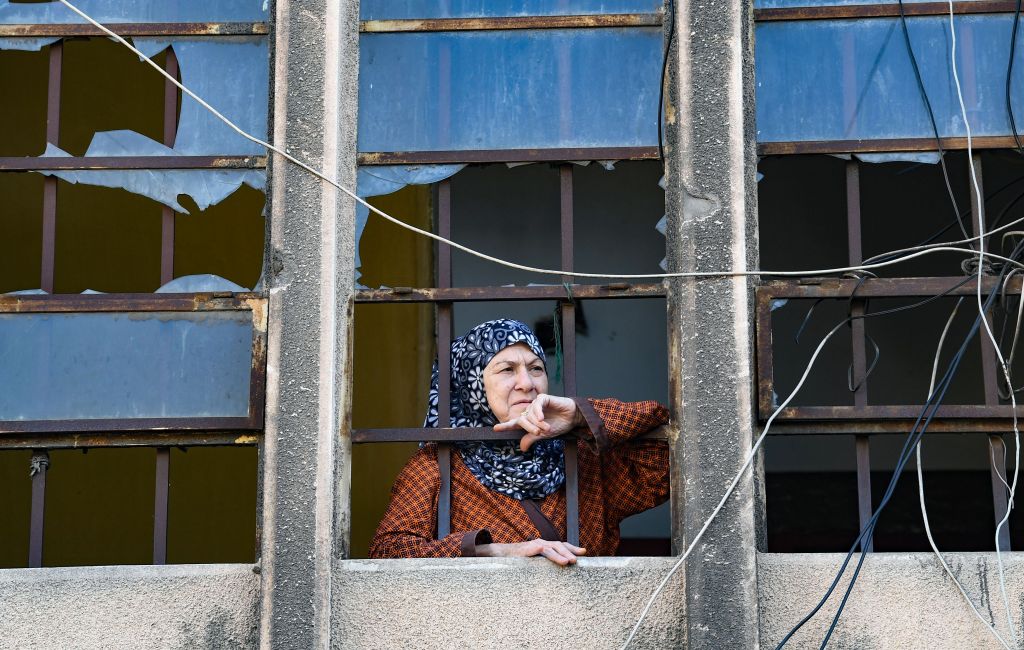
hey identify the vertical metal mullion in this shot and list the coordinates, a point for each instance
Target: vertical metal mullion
(163, 454)
(859, 341)
(444, 338)
(990, 368)
(568, 313)
(49, 225)
(38, 468)
(170, 133)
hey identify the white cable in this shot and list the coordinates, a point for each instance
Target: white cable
(732, 486)
(496, 260)
(920, 486)
(979, 214)
(689, 274)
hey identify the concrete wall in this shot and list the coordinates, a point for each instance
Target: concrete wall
(486, 603)
(901, 600)
(181, 606)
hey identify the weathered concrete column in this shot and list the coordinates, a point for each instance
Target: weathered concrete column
(711, 201)
(310, 279)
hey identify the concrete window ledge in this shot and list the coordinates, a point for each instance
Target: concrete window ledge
(506, 603)
(176, 606)
(901, 600)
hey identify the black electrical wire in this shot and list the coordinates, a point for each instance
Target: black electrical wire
(928, 413)
(671, 14)
(931, 117)
(1009, 76)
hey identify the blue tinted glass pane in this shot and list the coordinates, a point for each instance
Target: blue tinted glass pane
(137, 11)
(509, 90)
(398, 9)
(848, 80)
(132, 365)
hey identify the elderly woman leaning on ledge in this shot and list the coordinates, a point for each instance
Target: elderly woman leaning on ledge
(507, 498)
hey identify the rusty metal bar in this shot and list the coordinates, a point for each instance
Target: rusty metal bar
(472, 294)
(444, 339)
(251, 422)
(163, 478)
(891, 10)
(509, 22)
(129, 302)
(170, 132)
(138, 29)
(455, 434)
(841, 288)
(895, 426)
(39, 466)
(163, 454)
(568, 316)
(862, 443)
(49, 224)
(130, 439)
(896, 412)
(506, 155)
(28, 163)
(882, 146)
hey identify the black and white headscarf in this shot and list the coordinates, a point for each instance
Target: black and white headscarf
(500, 466)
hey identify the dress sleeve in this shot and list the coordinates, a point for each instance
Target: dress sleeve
(635, 472)
(408, 526)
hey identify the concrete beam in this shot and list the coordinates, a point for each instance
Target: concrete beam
(901, 600)
(505, 603)
(711, 201)
(310, 280)
(130, 607)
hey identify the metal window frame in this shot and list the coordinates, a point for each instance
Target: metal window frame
(149, 303)
(862, 419)
(445, 295)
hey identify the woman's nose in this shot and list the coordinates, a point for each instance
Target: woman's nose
(524, 381)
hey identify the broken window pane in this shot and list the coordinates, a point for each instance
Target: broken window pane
(24, 133)
(21, 230)
(839, 79)
(443, 91)
(104, 87)
(232, 74)
(392, 9)
(136, 11)
(60, 366)
(205, 187)
(107, 240)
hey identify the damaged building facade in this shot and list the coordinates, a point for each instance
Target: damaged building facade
(213, 363)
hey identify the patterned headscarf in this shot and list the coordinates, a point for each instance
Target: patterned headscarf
(500, 466)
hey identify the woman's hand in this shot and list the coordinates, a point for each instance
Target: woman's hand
(548, 416)
(561, 553)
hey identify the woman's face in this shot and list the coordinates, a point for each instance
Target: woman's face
(513, 379)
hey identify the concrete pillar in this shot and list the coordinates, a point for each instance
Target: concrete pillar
(310, 280)
(712, 208)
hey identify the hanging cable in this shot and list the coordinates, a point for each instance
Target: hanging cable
(490, 258)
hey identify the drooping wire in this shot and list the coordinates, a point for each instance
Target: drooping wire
(490, 258)
(1009, 78)
(920, 487)
(760, 440)
(925, 417)
(928, 412)
(671, 15)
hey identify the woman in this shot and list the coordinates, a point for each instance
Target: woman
(506, 497)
